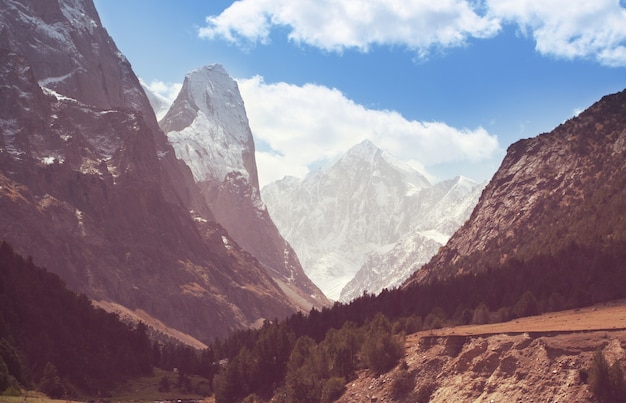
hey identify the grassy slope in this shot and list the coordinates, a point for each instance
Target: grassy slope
(606, 316)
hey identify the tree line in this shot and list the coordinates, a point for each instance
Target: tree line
(55, 340)
(311, 357)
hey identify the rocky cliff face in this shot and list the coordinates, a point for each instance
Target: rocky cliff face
(491, 368)
(208, 127)
(552, 192)
(344, 218)
(92, 190)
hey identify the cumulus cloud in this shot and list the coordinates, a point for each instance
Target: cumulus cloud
(297, 126)
(337, 25)
(563, 28)
(161, 95)
(570, 28)
(168, 91)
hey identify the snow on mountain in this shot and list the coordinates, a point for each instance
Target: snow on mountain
(390, 269)
(91, 190)
(208, 127)
(447, 205)
(342, 217)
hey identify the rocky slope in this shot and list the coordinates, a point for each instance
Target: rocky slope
(539, 358)
(492, 368)
(91, 189)
(208, 127)
(552, 193)
(343, 219)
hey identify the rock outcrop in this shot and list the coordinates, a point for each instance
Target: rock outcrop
(492, 368)
(208, 127)
(91, 189)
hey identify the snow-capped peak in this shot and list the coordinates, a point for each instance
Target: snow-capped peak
(464, 182)
(364, 150)
(368, 153)
(213, 92)
(208, 126)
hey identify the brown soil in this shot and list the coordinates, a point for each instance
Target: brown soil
(608, 316)
(535, 359)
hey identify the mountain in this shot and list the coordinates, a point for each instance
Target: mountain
(446, 205)
(344, 218)
(91, 189)
(208, 128)
(560, 193)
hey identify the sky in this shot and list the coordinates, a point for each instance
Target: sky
(444, 85)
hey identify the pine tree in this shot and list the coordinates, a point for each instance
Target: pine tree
(50, 383)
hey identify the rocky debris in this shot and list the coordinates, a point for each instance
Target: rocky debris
(524, 367)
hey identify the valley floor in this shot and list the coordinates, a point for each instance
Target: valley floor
(536, 359)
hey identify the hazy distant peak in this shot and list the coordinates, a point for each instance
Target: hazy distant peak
(364, 148)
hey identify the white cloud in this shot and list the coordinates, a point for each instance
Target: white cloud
(563, 28)
(301, 125)
(577, 111)
(570, 28)
(337, 25)
(168, 91)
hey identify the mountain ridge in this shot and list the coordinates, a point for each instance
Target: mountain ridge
(208, 127)
(362, 204)
(545, 187)
(92, 190)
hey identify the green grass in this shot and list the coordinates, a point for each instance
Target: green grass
(30, 397)
(138, 390)
(146, 389)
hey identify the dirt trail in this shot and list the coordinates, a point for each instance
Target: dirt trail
(608, 316)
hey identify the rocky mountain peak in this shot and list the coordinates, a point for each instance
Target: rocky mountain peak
(208, 127)
(366, 155)
(365, 150)
(71, 53)
(543, 199)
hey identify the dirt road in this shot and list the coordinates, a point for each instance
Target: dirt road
(608, 316)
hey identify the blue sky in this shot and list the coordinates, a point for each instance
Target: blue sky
(446, 86)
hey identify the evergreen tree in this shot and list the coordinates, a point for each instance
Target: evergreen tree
(305, 369)
(381, 350)
(4, 376)
(481, 315)
(50, 383)
(526, 306)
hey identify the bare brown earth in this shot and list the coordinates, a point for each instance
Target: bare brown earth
(535, 359)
